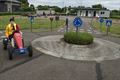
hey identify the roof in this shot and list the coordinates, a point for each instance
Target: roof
(14, 1)
(93, 9)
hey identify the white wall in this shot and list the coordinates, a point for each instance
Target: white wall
(83, 13)
(106, 13)
(40, 12)
(91, 13)
(97, 13)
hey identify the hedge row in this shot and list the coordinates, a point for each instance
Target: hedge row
(16, 13)
(115, 17)
(80, 38)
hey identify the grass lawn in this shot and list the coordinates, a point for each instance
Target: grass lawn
(24, 22)
(115, 28)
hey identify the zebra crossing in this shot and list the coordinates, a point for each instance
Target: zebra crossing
(86, 27)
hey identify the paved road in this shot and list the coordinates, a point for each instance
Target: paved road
(44, 67)
(47, 67)
(50, 68)
(5, 64)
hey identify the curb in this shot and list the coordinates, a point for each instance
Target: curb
(69, 57)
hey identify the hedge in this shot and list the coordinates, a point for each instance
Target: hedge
(80, 38)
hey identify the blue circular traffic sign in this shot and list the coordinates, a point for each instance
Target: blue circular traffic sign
(101, 20)
(77, 22)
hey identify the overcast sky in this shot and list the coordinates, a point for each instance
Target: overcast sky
(110, 4)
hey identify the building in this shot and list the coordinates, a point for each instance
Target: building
(93, 12)
(45, 12)
(9, 5)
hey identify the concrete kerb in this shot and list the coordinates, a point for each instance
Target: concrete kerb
(98, 59)
(42, 50)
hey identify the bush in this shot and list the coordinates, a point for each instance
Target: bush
(8, 13)
(80, 38)
(115, 17)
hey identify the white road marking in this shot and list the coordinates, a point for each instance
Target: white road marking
(0, 40)
(1, 32)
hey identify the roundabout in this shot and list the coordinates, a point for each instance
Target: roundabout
(100, 50)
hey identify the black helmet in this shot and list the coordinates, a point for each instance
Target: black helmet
(12, 19)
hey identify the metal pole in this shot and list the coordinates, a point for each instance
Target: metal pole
(76, 29)
(100, 27)
(119, 11)
(11, 6)
(31, 26)
(107, 30)
(51, 25)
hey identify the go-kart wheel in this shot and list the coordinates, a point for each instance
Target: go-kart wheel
(5, 46)
(5, 43)
(10, 53)
(30, 51)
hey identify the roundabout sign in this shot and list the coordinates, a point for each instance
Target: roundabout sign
(77, 22)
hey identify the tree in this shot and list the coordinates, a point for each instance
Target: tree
(40, 7)
(57, 9)
(24, 3)
(32, 7)
(115, 13)
(97, 6)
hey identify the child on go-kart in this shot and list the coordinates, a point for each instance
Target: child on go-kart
(11, 28)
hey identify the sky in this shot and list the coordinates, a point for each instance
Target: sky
(110, 4)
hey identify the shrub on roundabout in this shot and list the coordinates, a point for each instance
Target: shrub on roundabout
(80, 38)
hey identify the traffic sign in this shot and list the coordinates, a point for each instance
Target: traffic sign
(108, 23)
(77, 22)
(31, 18)
(101, 20)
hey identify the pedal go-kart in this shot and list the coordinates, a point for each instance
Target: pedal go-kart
(16, 46)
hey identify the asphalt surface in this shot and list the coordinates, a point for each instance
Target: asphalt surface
(6, 64)
(45, 67)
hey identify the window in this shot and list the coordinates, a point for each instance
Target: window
(102, 12)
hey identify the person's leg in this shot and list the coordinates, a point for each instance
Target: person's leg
(10, 37)
(11, 40)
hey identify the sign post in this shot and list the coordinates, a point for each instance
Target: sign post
(31, 21)
(101, 22)
(66, 23)
(77, 23)
(51, 19)
(56, 19)
(108, 25)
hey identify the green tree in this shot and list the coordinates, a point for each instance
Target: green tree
(115, 13)
(40, 7)
(25, 5)
(57, 9)
(97, 6)
(32, 7)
